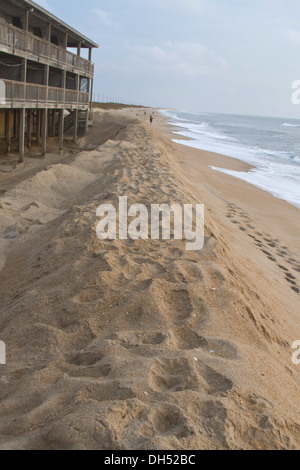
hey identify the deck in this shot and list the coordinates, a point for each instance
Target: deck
(31, 96)
(24, 44)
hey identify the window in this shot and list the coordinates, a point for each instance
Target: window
(84, 84)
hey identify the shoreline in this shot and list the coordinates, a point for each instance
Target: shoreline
(141, 344)
(179, 139)
(197, 161)
(168, 130)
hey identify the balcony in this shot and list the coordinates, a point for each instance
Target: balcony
(27, 95)
(24, 44)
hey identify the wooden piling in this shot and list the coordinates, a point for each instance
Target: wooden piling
(61, 129)
(44, 131)
(21, 135)
(7, 131)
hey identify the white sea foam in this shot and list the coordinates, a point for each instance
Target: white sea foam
(287, 124)
(269, 180)
(276, 170)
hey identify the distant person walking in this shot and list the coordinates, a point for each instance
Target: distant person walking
(151, 119)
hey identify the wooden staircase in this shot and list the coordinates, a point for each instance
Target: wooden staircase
(70, 119)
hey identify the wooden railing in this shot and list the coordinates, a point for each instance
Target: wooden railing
(16, 40)
(20, 95)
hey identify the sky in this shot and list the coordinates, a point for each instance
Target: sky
(222, 56)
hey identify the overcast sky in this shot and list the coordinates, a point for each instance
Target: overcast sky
(224, 56)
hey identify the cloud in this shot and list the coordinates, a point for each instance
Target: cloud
(187, 6)
(105, 18)
(189, 59)
(294, 36)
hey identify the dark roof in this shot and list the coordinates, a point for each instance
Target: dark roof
(47, 16)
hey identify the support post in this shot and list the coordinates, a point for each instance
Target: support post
(77, 82)
(44, 131)
(75, 130)
(61, 129)
(64, 84)
(48, 38)
(24, 77)
(38, 127)
(53, 122)
(46, 79)
(77, 87)
(64, 79)
(86, 123)
(21, 135)
(91, 97)
(29, 127)
(26, 20)
(7, 131)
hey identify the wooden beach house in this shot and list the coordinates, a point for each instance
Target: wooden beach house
(46, 84)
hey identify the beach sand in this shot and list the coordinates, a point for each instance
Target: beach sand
(141, 344)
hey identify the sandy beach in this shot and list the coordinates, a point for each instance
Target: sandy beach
(141, 344)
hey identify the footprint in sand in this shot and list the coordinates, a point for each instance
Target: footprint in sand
(281, 253)
(169, 421)
(290, 276)
(215, 419)
(153, 339)
(132, 340)
(89, 364)
(217, 382)
(290, 281)
(296, 289)
(180, 304)
(266, 253)
(142, 286)
(283, 268)
(85, 358)
(101, 391)
(259, 244)
(188, 339)
(172, 375)
(90, 294)
(294, 264)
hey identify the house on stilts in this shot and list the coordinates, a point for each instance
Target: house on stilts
(45, 89)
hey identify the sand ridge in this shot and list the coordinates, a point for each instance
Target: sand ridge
(135, 344)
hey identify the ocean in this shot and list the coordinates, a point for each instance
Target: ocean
(270, 145)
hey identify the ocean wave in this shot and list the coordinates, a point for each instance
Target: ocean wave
(276, 153)
(203, 129)
(274, 158)
(284, 187)
(287, 124)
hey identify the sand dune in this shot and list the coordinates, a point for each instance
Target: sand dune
(140, 344)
